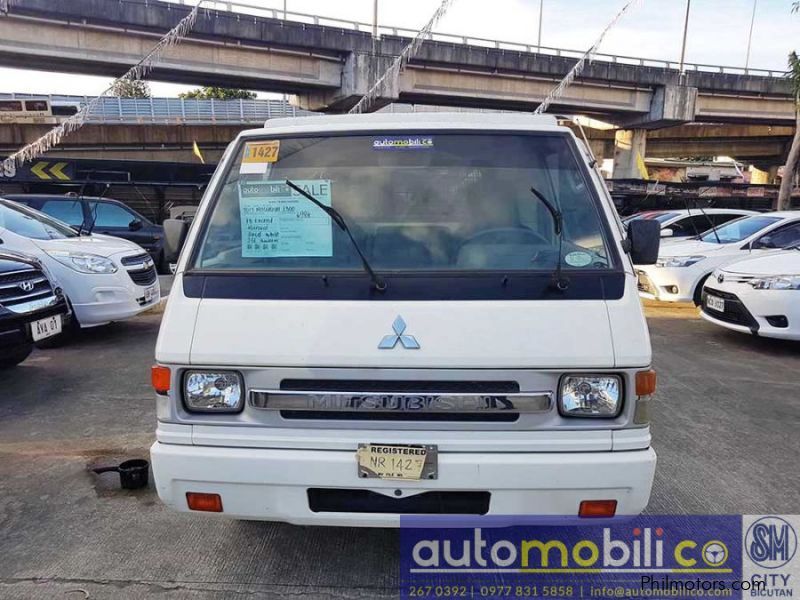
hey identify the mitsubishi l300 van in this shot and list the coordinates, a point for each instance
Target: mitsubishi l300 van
(391, 314)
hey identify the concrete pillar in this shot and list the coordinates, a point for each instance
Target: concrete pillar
(628, 145)
(670, 105)
(359, 73)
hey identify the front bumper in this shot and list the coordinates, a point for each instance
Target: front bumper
(113, 304)
(667, 284)
(747, 310)
(273, 484)
(15, 329)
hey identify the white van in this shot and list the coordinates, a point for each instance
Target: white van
(391, 314)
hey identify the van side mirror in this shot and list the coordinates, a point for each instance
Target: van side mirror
(643, 241)
(135, 225)
(175, 231)
(667, 232)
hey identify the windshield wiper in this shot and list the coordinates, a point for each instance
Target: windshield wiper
(377, 282)
(560, 282)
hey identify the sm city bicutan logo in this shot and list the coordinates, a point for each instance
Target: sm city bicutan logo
(635, 550)
(770, 542)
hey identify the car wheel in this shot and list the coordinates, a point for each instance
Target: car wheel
(13, 359)
(698, 292)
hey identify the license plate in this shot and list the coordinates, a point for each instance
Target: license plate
(393, 461)
(715, 303)
(150, 293)
(45, 328)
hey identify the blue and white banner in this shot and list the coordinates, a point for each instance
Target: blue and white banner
(691, 556)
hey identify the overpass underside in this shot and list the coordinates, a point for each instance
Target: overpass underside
(761, 145)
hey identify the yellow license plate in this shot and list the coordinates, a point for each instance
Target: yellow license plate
(394, 461)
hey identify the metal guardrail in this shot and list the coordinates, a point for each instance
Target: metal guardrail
(179, 111)
(173, 110)
(276, 13)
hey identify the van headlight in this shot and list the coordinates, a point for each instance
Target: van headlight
(213, 391)
(84, 262)
(678, 261)
(594, 396)
(777, 282)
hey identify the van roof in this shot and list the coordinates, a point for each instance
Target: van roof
(410, 121)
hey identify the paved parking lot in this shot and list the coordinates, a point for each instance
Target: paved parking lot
(725, 426)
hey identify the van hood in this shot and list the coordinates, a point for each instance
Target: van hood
(102, 245)
(351, 334)
(778, 263)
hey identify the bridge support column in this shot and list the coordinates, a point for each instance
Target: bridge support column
(628, 145)
(359, 73)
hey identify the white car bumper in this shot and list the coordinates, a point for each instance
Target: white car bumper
(668, 284)
(758, 312)
(273, 484)
(114, 304)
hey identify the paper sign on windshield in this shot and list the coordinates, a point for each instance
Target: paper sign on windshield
(279, 222)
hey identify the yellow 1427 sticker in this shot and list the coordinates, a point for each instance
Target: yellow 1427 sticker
(261, 152)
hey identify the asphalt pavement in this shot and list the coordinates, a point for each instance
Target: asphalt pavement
(725, 425)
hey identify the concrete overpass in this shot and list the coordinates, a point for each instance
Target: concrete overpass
(329, 67)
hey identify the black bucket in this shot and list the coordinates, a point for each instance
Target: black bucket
(133, 474)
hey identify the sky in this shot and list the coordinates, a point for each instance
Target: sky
(717, 34)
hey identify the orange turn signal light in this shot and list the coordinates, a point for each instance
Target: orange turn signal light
(597, 508)
(645, 383)
(204, 502)
(159, 377)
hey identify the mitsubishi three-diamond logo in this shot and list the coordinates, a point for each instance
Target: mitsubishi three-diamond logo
(409, 342)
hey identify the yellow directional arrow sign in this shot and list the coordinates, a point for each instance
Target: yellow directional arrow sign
(38, 170)
(44, 170)
(56, 170)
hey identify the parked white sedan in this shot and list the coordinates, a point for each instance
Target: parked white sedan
(683, 266)
(104, 278)
(759, 295)
(680, 224)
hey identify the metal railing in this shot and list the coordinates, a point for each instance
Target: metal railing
(244, 8)
(172, 111)
(179, 111)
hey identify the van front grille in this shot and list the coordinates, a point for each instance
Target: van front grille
(412, 388)
(401, 386)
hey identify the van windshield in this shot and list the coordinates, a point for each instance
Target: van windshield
(418, 202)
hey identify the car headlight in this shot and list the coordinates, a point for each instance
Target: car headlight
(776, 282)
(678, 261)
(213, 391)
(84, 262)
(595, 396)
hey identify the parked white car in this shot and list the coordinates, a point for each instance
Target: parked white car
(104, 278)
(759, 295)
(683, 223)
(683, 266)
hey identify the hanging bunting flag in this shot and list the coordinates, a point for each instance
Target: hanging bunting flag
(575, 71)
(406, 54)
(53, 137)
